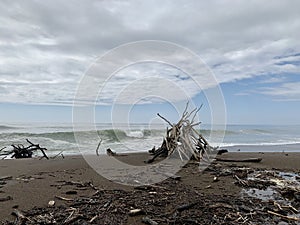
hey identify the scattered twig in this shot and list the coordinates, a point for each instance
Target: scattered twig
(284, 217)
(6, 178)
(93, 219)
(20, 216)
(185, 207)
(148, 221)
(242, 182)
(98, 146)
(60, 153)
(64, 199)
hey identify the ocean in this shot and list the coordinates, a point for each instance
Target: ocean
(141, 137)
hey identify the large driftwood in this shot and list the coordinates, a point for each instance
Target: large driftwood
(183, 138)
(19, 151)
(239, 160)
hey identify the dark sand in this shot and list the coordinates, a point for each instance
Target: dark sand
(32, 179)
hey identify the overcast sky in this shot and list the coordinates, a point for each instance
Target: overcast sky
(252, 47)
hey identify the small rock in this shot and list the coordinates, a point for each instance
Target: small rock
(51, 203)
(216, 179)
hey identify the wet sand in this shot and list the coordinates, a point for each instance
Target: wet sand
(33, 182)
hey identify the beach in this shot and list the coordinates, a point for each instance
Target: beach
(149, 112)
(209, 195)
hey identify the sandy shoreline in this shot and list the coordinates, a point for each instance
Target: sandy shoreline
(34, 182)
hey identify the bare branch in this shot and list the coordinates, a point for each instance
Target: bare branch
(97, 149)
(165, 120)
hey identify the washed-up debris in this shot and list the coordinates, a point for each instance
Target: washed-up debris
(174, 202)
(7, 198)
(51, 203)
(109, 152)
(64, 199)
(183, 139)
(116, 206)
(134, 212)
(148, 221)
(58, 154)
(20, 151)
(284, 216)
(256, 160)
(6, 178)
(78, 184)
(20, 218)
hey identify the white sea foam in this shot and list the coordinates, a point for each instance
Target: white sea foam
(139, 138)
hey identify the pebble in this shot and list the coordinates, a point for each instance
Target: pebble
(51, 203)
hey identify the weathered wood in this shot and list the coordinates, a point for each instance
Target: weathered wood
(20, 216)
(37, 147)
(60, 153)
(109, 152)
(135, 212)
(6, 178)
(183, 138)
(4, 199)
(98, 146)
(241, 182)
(186, 206)
(93, 219)
(64, 199)
(256, 160)
(283, 216)
(19, 151)
(148, 221)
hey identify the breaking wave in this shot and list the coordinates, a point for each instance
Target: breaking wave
(4, 127)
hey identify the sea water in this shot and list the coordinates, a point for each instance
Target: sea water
(142, 137)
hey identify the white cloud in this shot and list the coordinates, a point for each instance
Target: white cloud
(272, 80)
(45, 46)
(284, 92)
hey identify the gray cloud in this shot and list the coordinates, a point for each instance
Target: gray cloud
(45, 46)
